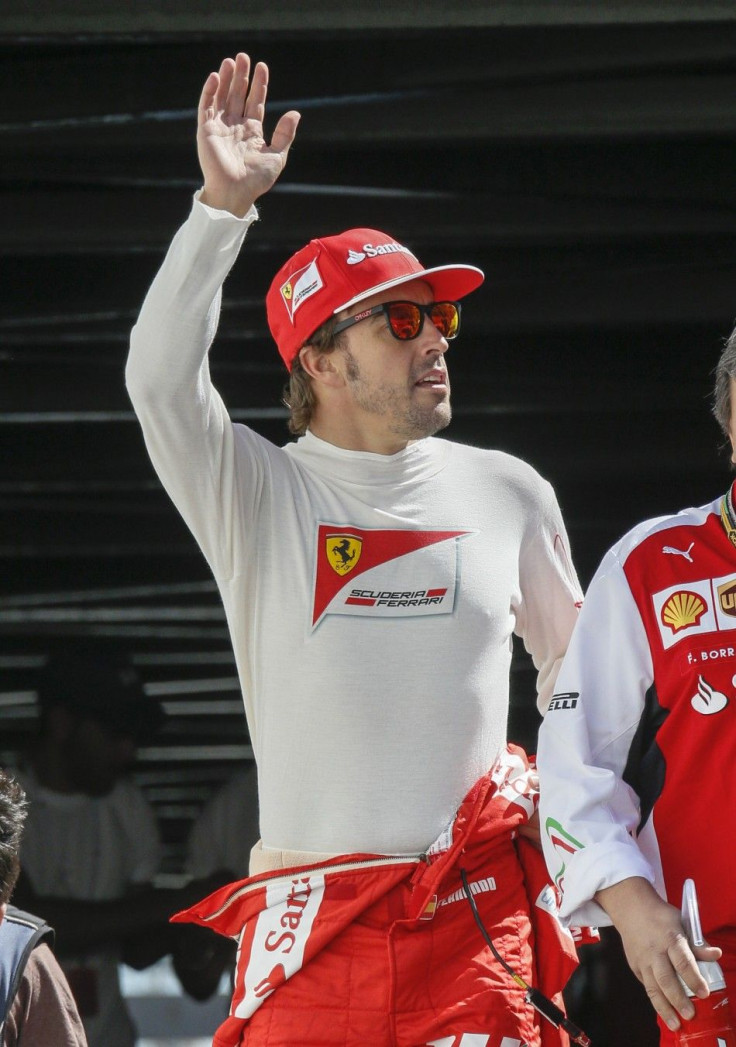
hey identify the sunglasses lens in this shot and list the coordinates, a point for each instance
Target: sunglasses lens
(405, 319)
(446, 318)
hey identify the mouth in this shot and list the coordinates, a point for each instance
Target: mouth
(435, 379)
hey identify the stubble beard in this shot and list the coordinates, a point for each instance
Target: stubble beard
(406, 418)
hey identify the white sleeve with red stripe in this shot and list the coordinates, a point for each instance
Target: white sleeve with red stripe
(550, 591)
(588, 812)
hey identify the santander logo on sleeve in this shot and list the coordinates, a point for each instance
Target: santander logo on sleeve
(384, 573)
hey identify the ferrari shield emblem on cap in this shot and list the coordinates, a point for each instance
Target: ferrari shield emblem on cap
(343, 552)
(300, 286)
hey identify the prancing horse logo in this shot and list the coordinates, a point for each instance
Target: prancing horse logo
(343, 552)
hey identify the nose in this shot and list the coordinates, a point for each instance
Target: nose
(431, 340)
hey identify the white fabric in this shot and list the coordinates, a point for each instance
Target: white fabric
(91, 849)
(369, 723)
(226, 829)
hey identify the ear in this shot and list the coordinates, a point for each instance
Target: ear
(3, 910)
(323, 368)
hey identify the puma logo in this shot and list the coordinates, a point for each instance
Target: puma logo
(679, 552)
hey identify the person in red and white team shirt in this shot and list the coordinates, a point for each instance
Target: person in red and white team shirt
(372, 575)
(634, 751)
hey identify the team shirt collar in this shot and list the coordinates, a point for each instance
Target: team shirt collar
(728, 513)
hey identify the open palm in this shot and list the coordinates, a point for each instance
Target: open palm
(237, 163)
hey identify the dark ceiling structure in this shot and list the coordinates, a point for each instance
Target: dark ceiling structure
(583, 155)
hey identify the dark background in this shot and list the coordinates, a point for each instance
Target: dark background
(582, 154)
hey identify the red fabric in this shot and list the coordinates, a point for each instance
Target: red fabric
(387, 952)
(728, 965)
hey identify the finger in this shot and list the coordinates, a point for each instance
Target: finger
(685, 965)
(206, 108)
(667, 995)
(255, 104)
(694, 978)
(663, 1007)
(677, 966)
(226, 75)
(238, 87)
(672, 990)
(284, 133)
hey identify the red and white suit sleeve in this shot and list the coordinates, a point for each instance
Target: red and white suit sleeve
(588, 812)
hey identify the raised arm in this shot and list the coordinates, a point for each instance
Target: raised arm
(186, 426)
(237, 163)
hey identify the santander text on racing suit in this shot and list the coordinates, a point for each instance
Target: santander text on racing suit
(636, 749)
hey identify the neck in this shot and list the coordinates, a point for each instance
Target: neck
(352, 437)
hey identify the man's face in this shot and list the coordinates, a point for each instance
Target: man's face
(395, 391)
(96, 756)
(732, 420)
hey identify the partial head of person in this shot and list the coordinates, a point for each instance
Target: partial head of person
(13, 810)
(363, 328)
(94, 713)
(724, 396)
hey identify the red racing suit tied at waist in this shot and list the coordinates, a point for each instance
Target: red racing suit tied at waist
(283, 919)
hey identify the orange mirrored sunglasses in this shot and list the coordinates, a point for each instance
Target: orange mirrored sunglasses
(406, 319)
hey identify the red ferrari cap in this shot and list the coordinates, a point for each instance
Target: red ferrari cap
(336, 272)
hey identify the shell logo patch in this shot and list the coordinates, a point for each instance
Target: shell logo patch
(343, 552)
(681, 613)
(683, 609)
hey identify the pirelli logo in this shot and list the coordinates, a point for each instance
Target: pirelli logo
(566, 700)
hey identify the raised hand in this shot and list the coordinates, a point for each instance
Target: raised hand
(237, 163)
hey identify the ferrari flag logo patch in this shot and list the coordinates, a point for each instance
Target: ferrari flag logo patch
(391, 573)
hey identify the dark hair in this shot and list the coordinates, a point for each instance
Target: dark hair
(298, 394)
(13, 810)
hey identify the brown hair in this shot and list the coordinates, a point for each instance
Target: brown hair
(298, 394)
